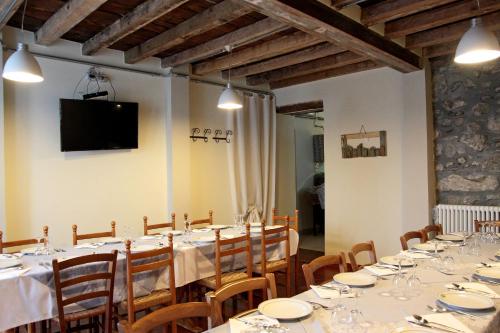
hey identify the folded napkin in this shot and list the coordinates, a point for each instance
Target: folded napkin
(326, 292)
(88, 246)
(240, 325)
(472, 286)
(444, 319)
(382, 271)
(416, 254)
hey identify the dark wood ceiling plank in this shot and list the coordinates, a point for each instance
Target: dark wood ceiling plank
(349, 69)
(258, 52)
(450, 32)
(439, 16)
(322, 64)
(434, 51)
(339, 4)
(209, 19)
(142, 15)
(69, 15)
(236, 38)
(308, 54)
(324, 22)
(7, 9)
(393, 9)
(299, 108)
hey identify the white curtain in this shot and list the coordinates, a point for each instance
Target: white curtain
(252, 157)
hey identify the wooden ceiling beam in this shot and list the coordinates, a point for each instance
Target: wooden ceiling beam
(439, 16)
(62, 21)
(339, 4)
(322, 64)
(211, 18)
(445, 48)
(7, 9)
(308, 54)
(450, 32)
(269, 49)
(349, 69)
(318, 19)
(299, 108)
(392, 9)
(236, 38)
(142, 15)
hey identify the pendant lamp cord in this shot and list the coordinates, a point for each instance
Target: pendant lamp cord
(230, 57)
(22, 21)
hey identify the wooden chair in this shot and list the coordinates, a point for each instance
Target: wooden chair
(216, 298)
(166, 315)
(411, 235)
(67, 292)
(225, 248)
(486, 226)
(148, 227)
(430, 231)
(333, 264)
(197, 223)
(23, 242)
(294, 224)
(145, 263)
(362, 247)
(77, 237)
(274, 237)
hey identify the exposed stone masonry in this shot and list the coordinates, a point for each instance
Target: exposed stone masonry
(466, 102)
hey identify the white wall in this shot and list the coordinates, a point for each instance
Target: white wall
(371, 198)
(2, 148)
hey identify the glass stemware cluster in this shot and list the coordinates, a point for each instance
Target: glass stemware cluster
(239, 223)
(405, 287)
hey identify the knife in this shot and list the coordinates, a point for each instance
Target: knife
(452, 330)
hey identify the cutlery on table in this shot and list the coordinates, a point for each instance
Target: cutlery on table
(473, 290)
(391, 267)
(430, 324)
(320, 305)
(440, 309)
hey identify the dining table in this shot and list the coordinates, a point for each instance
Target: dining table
(386, 306)
(28, 292)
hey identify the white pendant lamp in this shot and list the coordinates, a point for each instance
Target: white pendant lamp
(229, 99)
(22, 65)
(477, 45)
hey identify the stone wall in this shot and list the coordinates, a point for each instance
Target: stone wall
(466, 103)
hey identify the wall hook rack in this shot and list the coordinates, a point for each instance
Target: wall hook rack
(196, 131)
(218, 138)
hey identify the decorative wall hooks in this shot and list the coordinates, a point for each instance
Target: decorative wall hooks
(195, 135)
(227, 138)
(353, 145)
(196, 131)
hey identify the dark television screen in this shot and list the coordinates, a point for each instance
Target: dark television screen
(98, 125)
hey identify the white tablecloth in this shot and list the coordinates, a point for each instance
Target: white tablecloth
(30, 297)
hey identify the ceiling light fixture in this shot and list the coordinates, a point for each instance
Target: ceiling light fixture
(229, 99)
(22, 65)
(477, 45)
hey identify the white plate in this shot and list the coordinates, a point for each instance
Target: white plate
(203, 239)
(489, 273)
(394, 261)
(217, 226)
(30, 250)
(8, 263)
(450, 238)
(173, 232)
(143, 248)
(149, 237)
(355, 279)
(285, 308)
(413, 330)
(428, 247)
(466, 301)
(111, 240)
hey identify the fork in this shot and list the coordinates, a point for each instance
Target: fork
(440, 309)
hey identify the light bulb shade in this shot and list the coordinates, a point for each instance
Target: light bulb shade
(229, 99)
(22, 66)
(477, 45)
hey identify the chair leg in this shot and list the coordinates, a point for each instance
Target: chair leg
(288, 281)
(296, 273)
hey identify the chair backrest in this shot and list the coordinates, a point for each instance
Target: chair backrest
(411, 235)
(273, 237)
(486, 226)
(335, 263)
(23, 242)
(165, 315)
(216, 298)
(197, 223)
(232, 247)
(430, 231)
(148, 227)
(148, 261)
(281, 219)
(69, 269)
(77, 237)
(369, 247)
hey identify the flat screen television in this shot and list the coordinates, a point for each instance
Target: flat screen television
(98, 125)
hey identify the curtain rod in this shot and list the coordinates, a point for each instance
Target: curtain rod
(192, 78)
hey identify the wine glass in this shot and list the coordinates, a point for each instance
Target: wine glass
(399, 281)
(414, 283)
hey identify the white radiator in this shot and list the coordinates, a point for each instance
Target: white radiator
(461, 218)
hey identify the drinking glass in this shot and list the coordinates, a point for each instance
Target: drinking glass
(414, 283)
(399, 282)
(187, 230)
